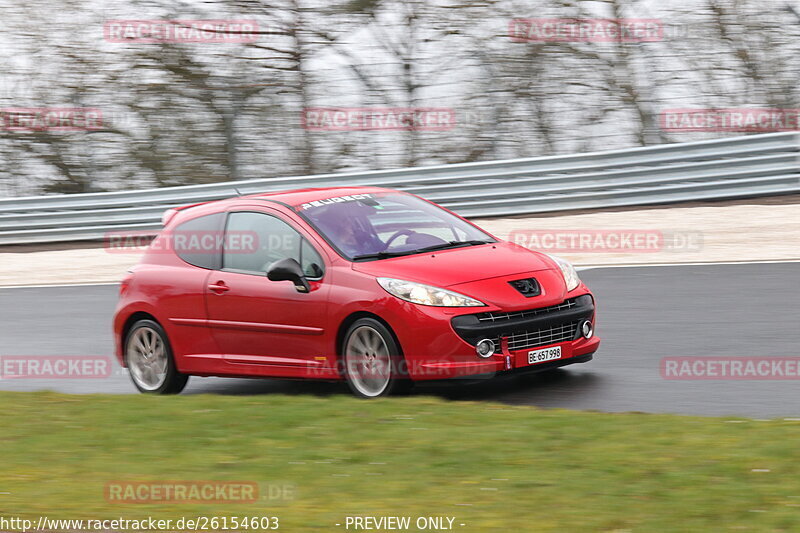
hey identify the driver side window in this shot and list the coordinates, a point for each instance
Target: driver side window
(253, 241)
(311, 261)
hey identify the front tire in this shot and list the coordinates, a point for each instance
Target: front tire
(149, 359)
(373, 363)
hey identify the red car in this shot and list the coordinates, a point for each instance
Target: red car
(377, 287)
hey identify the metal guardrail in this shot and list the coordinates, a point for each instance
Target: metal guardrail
(738, 167)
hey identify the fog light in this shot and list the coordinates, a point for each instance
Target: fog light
(485, 348)
(587, 329)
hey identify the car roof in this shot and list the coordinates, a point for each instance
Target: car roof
(291, 199)
(298, 197)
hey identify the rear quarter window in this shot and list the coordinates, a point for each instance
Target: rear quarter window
(199, 241)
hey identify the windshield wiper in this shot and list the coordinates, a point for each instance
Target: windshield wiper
(383, 255)
(442, 246)
(451, 244)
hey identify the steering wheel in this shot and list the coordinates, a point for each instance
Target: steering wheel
(400, 233)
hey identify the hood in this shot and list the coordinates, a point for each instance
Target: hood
(447, 268)
(481, 272)
(499, 291)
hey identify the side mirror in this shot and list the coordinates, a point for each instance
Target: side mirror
(289, 270)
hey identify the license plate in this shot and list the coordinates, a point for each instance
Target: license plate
(547, 354)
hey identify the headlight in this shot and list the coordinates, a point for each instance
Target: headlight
(568, 271)
(426, 295)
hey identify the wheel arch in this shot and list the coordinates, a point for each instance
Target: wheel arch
(351, 319)
(133, 319)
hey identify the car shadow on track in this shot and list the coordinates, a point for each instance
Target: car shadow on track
(258, 386)
(547, 388)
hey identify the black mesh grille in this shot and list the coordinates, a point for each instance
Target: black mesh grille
(524, 340)
(529, 328)
(499, 316)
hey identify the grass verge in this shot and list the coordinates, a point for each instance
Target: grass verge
(492, 467)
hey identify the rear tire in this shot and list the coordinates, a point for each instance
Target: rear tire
(148, 356)
(374, 367)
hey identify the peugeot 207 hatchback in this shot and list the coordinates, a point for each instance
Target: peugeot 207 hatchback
(377, 287)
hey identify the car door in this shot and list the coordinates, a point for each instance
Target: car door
(258, 321)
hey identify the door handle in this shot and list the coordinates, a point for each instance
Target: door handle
(218, 287)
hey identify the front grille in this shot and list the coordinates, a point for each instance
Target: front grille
(530, 328)
(495, 316)
(523, 340)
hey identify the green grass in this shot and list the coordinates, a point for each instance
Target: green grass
(519, 469)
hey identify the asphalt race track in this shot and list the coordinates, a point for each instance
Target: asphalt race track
(645, 314)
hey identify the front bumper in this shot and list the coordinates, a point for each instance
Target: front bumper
(443, 346)
(528, 369)
(505, 361)
(529, 329)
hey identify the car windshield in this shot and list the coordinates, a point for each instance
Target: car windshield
(380, 225)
